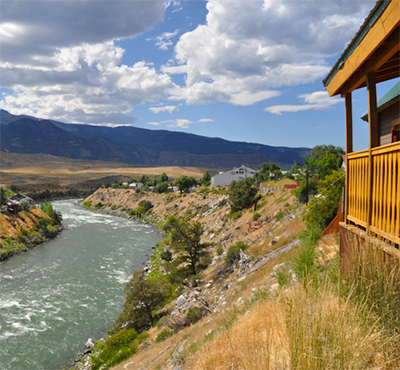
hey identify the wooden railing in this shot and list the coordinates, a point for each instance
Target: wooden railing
(374, 200)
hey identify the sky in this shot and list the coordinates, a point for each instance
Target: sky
(242, 70)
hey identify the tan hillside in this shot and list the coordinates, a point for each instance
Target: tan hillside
(10, 223)
(42, 171)
(254, 320)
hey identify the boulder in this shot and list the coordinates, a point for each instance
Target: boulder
(89, 343)
(180, 301)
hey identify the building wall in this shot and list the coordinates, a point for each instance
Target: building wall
(385, 118)
(236, 174)
(272, 185)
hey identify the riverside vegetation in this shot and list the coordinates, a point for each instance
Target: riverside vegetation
(220, 294)
(27, 228)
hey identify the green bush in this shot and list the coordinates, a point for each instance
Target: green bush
(242, 194)
(284, 276)
(146, 204)
(25, 204)
(166, 255)
(322, 209)
(279, 216)
(205, 261)
(220, 250)
(51, 230)
(233, 253)
(22, 233)
(195, 314)
(256, 216)
(115, 349)
(305, 265)
(164, 334)
(233, 215)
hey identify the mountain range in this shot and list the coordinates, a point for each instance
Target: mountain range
(136, 146)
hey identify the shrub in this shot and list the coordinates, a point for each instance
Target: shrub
(22, 233)
(115, 349)
(220, 250)
(25, 204)
(51, 230)
(242, 194)
(146, 204)
(284, 276)
(279, 216)
(305, 264)
(164, 334)
(166, 255)
(233, 215)
(233, 253)
(256, 216)
(195, 314)
(205, 261)
(88, 204)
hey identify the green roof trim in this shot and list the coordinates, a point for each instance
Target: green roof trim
(368, 23)
(388, 99)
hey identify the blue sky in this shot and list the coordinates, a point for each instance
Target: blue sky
(236, 69)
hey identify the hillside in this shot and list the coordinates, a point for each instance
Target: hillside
(136, 146)
(24, 230)
(42, 172)
(253, 314)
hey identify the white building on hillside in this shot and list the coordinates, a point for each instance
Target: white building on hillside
(236, 174)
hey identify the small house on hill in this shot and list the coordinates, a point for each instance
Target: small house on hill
(372, 190)
(281, 184)
(236, 174)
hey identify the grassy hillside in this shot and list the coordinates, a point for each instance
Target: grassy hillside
(287, 307)
(24, 230)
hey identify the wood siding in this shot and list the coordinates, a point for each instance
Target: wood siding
(385, 118)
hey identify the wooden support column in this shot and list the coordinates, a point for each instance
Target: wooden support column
(373, 138)
(349, 149)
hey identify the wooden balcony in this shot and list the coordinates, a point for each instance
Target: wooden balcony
(373, 198)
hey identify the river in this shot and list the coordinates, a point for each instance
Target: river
(57, 295)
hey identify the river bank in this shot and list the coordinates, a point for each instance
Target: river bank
(217, 285)
(247, 310)
(25, 230)
(57, 295)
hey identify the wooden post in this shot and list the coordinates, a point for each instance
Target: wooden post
(349, 149)
(373, 138)
(307, 186)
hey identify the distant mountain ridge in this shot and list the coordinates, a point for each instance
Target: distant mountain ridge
(137, 146)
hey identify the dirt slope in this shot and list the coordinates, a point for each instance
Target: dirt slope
(273, 242)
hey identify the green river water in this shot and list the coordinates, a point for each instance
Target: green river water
(57, 295)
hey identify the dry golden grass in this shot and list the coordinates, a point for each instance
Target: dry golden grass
(299, 329)
(43, 168)
(10, 223)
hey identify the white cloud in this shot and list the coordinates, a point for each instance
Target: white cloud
(51, 25)
(164, 40)
(260, 46)
(206, 120)
(181, 123)
(316, 100)
(84, 84)
(168, 108)
(154, 123)
(60, 59)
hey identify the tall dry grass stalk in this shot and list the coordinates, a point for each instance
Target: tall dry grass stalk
(257, 340)
(300, 329)
(375, 280)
